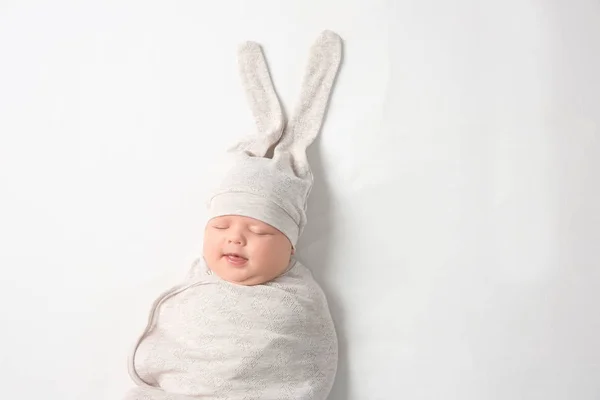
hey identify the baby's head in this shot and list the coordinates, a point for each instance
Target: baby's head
(258, 211)
(245, 250)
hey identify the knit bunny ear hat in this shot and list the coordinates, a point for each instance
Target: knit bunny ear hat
(270, 179)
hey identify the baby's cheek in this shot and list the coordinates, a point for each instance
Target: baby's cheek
(261, 250)
(211, 250)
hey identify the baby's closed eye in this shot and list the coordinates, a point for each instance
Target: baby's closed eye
(261, 232)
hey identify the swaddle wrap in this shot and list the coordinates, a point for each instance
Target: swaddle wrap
(215, 340)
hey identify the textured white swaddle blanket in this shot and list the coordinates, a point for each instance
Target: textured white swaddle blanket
(212, 339)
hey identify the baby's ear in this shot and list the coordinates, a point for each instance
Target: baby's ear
(323, 64)
(262, 99)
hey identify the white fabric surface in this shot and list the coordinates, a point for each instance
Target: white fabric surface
(454, 221)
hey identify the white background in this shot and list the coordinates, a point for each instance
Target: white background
(454, 222)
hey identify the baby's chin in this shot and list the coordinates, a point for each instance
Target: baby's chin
(244, 281)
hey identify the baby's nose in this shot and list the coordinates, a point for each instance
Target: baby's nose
(235, 238)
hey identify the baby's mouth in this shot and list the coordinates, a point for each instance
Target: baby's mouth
(235, 259)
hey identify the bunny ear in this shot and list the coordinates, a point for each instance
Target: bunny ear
(262, 99)
(324, 61)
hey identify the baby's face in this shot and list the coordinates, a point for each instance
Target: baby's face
(244, 250)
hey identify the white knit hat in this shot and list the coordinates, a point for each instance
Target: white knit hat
(270, 179)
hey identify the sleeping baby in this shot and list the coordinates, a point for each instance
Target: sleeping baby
(250, 322)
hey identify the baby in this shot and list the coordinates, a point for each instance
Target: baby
(250, 322)
(245, 250)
